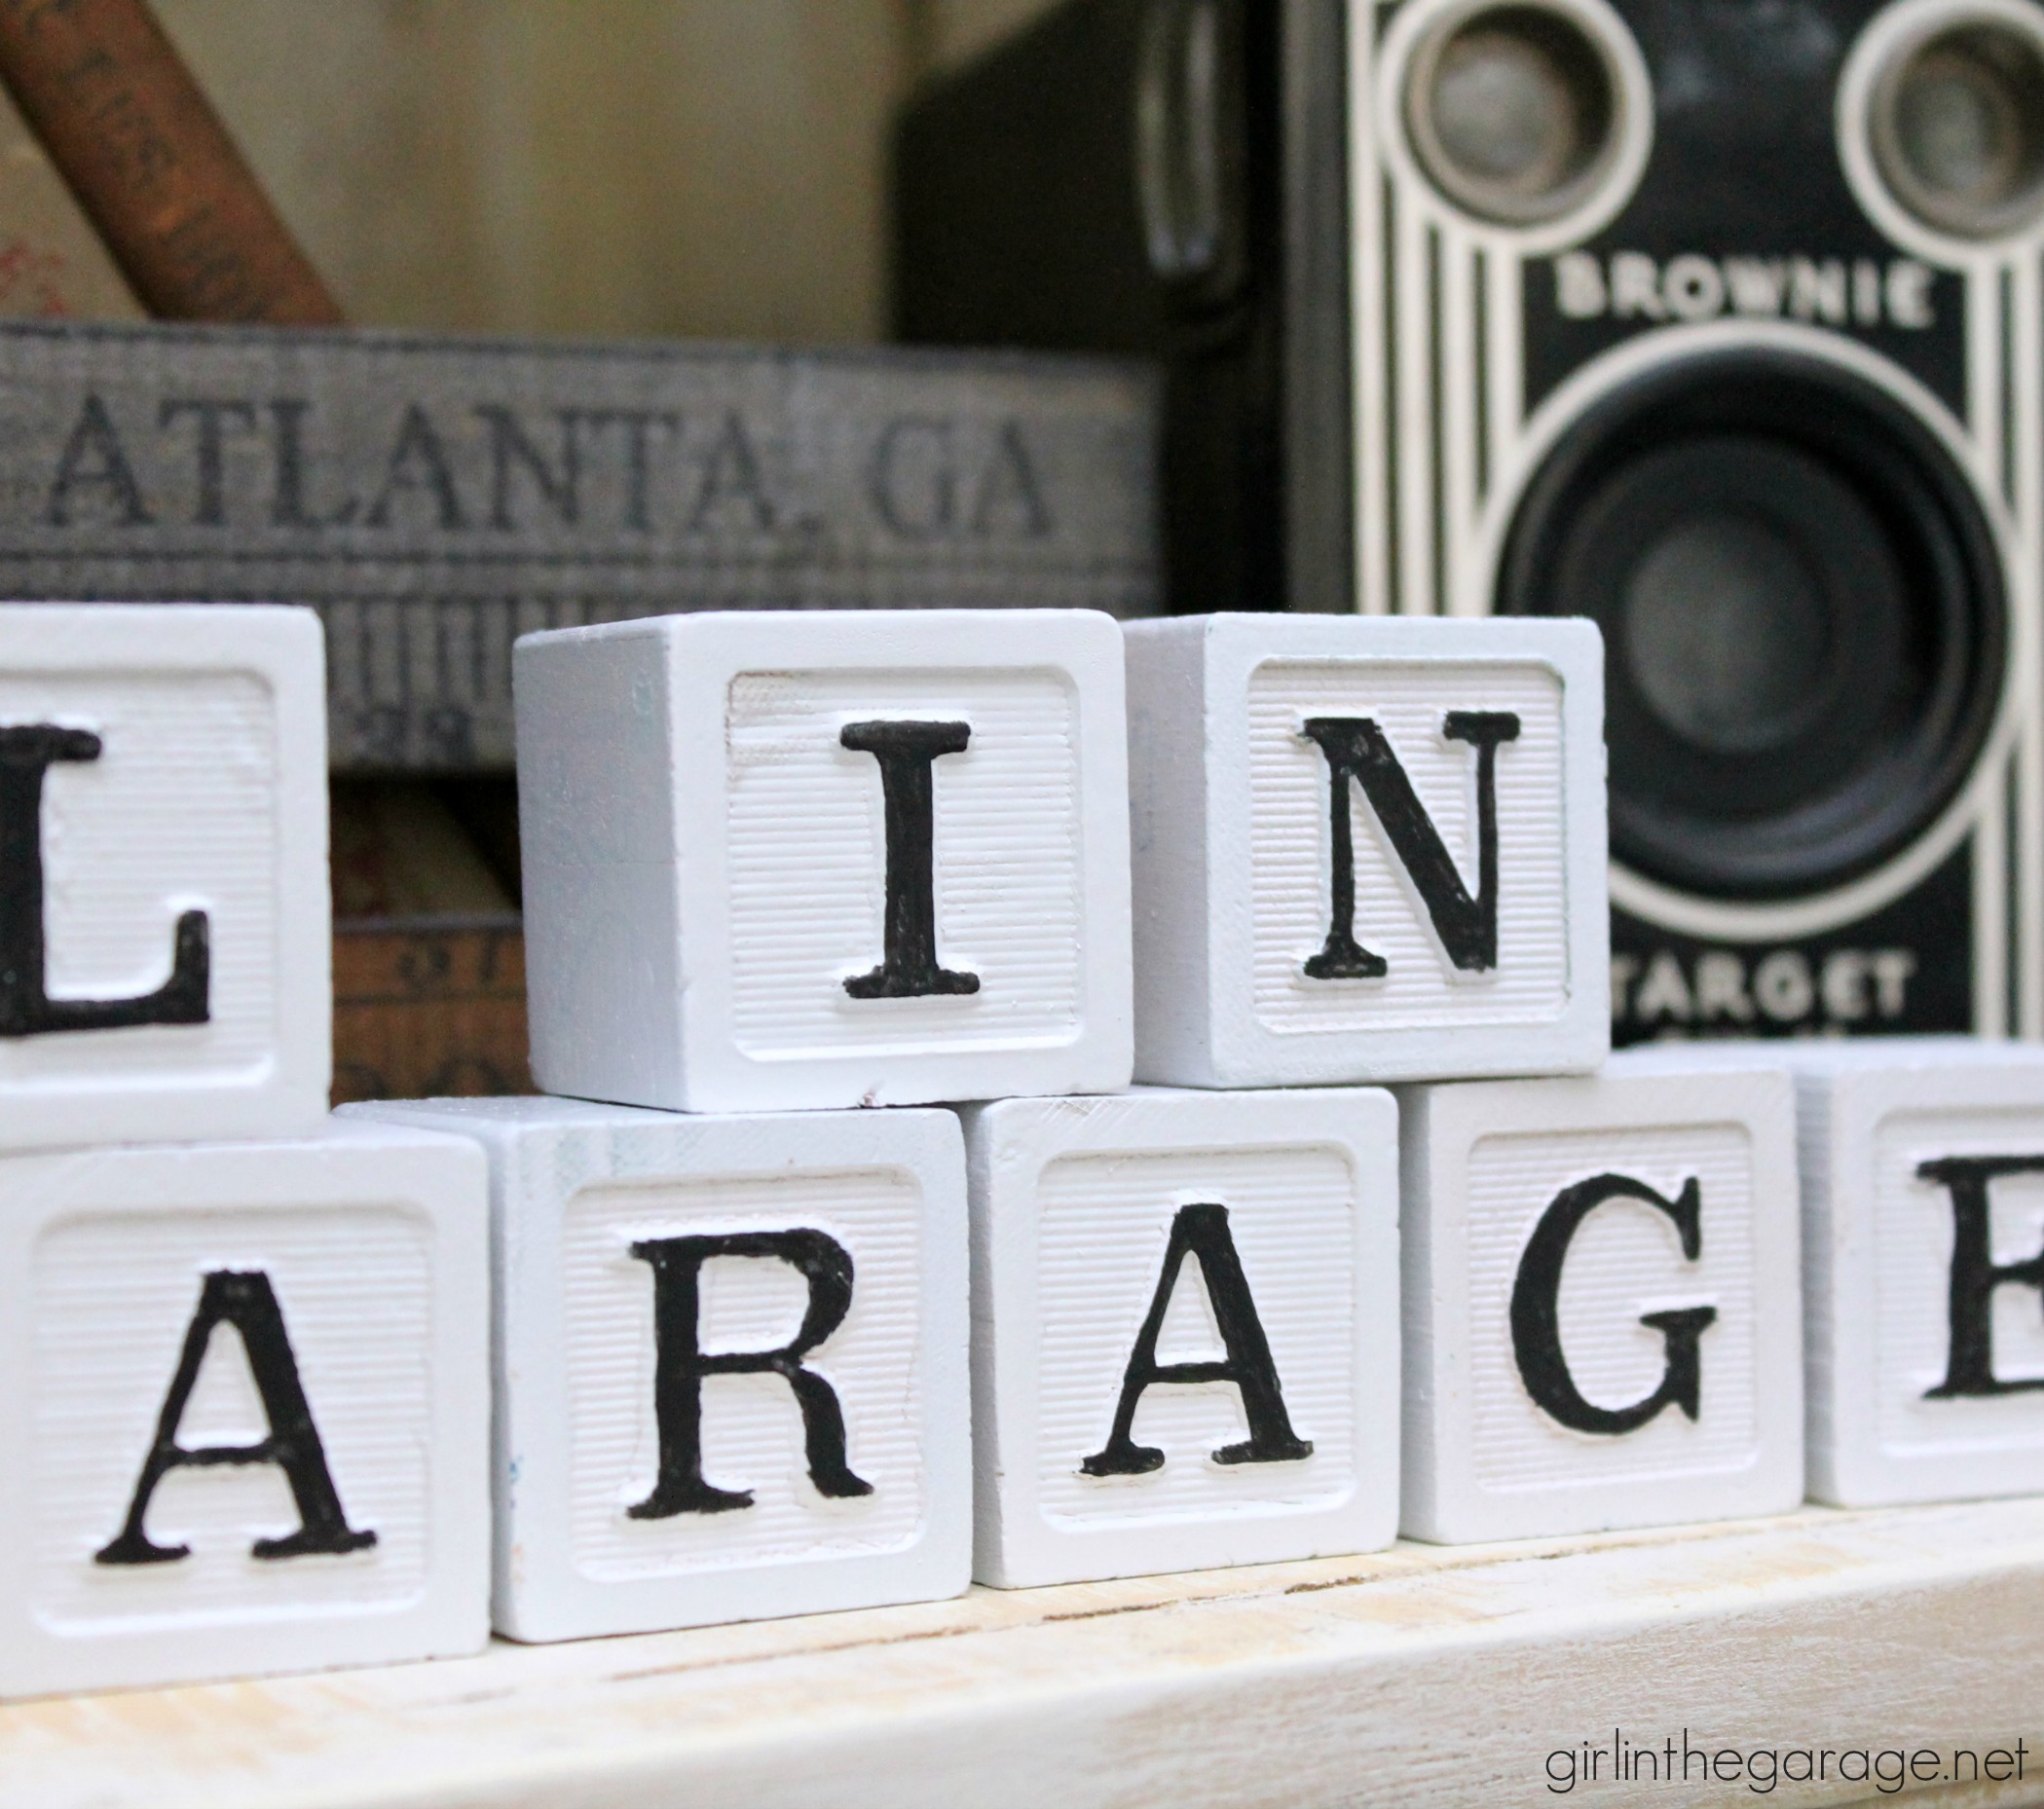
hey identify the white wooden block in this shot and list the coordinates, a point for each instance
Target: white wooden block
(1923, 1258)
(165, 936)
(783, 859)
(242, 1396)
(732, 1361)
(1366, 849)
(1602, 1307)
(1185, 1331)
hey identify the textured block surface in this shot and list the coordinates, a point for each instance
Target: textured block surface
(1185, 1337)
(731, 1369)
(243, 1408)
(1602, 1313)
(858, 860)
(1366, 849)
(164, 908)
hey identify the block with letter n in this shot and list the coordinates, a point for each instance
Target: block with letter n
(243, 1393)
(1366, 849)
(731, 1377)
(164, 908)
(1185, 1330)
(1602, 1298)
(808, 860)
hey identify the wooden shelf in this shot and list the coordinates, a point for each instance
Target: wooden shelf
(1420, 1674)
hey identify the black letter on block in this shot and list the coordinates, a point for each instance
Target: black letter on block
(905, 751)
(248, 1303)
(1356, 749)
(1202, 1230)
(26, 1008)
(1974, 1274)
(1535, 1314)
(680, 1364)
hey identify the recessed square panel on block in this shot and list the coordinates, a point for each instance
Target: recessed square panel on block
(1366, 849)
(782, 859)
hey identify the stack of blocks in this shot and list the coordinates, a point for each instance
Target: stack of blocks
(845, 1262)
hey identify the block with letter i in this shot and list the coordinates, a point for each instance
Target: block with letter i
(836, 859)
(1924, 1250)
(731, 1377)
(1366, 849)
(1602, 1300)
(163, 914)
(1185, 1338)
(243, 1393)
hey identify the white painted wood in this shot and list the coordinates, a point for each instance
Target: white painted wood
(1078, 1206)
(370, 1243)
(191, 779)
(1490, 1173)
(1447, 1676)
(707, 861)
(1236, 853)
(579, 1440)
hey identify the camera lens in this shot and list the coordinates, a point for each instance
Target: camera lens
(1803, 613)
(1514, 111)
(1958, 129)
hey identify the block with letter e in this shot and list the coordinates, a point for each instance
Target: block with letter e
(829, 858)
(164, 913)
(1366, 849)
(1923, 1251)
(243, 1396)
(731, 1377)
(1185, 1336)
(1602, 1299)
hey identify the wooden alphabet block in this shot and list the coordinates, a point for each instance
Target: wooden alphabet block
(243, 1390)
(1923, 1257)
(777, 859)
(164, 911)
(1367, 848)
(1185, 1342)
(1603, 1320)
(731, 1377)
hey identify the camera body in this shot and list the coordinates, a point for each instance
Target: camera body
(1657, 322)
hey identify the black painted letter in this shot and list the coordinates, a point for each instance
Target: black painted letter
(680, 1364)
(26, 1008)
(906, 751)
(247, 1303)
(1356, 749)
(1969, 1368)
(1536, 1311)
(1202, 1230)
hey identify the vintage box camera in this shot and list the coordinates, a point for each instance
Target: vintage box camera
(1716, 320)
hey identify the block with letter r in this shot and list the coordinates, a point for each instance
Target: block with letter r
(780, 860)
(731, 1365)
(1366, 849)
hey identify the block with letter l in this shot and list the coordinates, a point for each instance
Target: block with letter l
(1185, 1339)
(777, 859)
(164, 908)
(1366, 849)
(244, 1394)
(1602, 1300)
(731, 1363)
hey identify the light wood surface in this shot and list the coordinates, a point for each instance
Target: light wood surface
(1418, 1674)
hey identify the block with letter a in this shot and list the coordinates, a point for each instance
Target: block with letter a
(829, 858)
(163, 914)
(732, 1365)
(1185, 1334)
(1602, 1306)
(1366, 849)
(1923, 1249)
(242, 1394)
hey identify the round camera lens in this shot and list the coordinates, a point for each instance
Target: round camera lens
(1958, 129)
(1514, 111)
